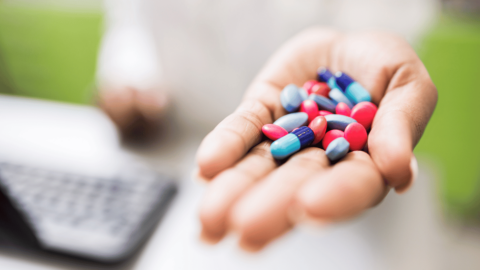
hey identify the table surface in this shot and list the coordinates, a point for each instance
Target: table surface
(404, 232)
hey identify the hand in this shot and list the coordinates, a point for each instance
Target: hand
(261, 199)
(136, 113)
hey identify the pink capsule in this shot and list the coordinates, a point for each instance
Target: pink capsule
(364, 112)
(356, 135)
(308, 86)
(274, 132)
(319, 127)
(343, 109)
(309, 107)
(330, 136)
(323, 113)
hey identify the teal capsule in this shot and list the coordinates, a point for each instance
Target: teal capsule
(357, 93)
(285, 146)
(353, 90)
(291, 143)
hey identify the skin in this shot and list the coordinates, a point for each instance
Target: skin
(260, 199)
(135, 112)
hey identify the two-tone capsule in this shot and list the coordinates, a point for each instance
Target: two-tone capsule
(292, 143)
(353, 90)
(324, 75)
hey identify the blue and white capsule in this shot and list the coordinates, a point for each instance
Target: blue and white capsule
(324, 75)
(292, 143)
(352, 89)
(337, 96)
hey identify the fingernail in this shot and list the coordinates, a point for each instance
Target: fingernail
(414, 173)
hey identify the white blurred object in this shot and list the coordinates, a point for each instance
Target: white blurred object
(128, 54)
(53, 135)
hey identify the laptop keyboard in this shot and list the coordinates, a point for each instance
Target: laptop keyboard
(109, 207)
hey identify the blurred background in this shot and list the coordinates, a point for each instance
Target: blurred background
(204, 53)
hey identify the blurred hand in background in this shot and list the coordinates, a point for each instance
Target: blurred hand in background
(129, 74)
(253, 195)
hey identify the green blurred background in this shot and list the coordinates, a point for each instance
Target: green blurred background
(51, 53)
(451, 53)
(46, 50)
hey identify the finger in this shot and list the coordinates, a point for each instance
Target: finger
(262, 213)
(348, 188)
(403, 114)
(228, 186)
(151, 103)
(396, 78)
(295, 62)
(119, 106)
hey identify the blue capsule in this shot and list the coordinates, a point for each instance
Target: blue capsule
(338, 96)
(337, 149)
(323, 102)
(291, 98)
(352, 89)
(338, 121)
(324, 75)
(292, 121)
(292, 143)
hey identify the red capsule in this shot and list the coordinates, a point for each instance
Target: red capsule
(364, 112)
(343, 109)
(320, 88)
(330, 136)
(356, 135)
(308, 86)
(274, 132)
(319, 127)
(323, 113)
(309, 107)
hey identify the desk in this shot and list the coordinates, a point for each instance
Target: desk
(399, 234)
(404, 232)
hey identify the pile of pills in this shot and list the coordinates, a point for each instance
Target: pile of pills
(333, 112)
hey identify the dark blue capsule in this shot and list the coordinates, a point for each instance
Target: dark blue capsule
(323, 74)
(343, 80)
(305, 135)
(292, 143)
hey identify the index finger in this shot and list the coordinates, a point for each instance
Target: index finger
(295, 62)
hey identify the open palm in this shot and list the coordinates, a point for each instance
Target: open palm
(261, 199)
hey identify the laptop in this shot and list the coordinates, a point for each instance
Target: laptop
(66, 185)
